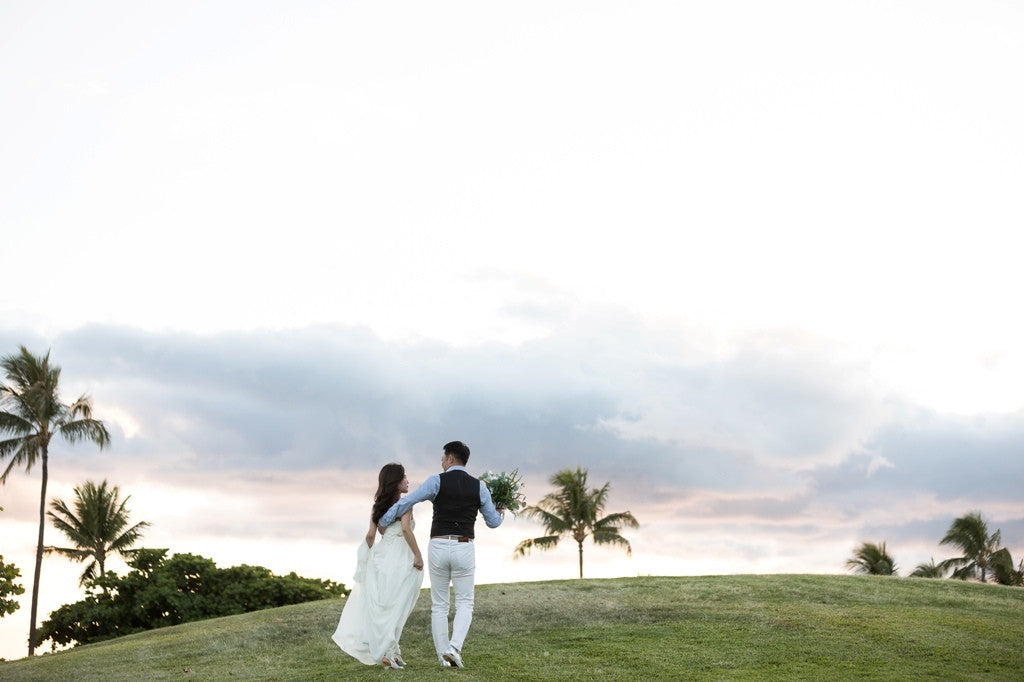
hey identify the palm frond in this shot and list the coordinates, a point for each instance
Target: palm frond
(73, 553)
(872, 559)
(612, 538)
(80, 409)
(928, 570)
(86, 429)
(966, 572)
(129, 538)
(969, 532)
(32, 387)
(541, 544)
(1002, 567)
(13, 423)
(70, 527)
(22, 451)
(27, 440)
(552, 502)
(599, 497)
(617, 521)
(89, 574)
(552, 523)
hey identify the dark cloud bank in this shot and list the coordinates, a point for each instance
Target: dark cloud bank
(776, 431)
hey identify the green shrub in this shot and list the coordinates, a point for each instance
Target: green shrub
(159, 591)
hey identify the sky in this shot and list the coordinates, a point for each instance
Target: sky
(751, 263)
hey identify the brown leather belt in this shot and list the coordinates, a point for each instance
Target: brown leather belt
(459, 538)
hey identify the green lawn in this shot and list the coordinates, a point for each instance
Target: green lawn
(724, 627)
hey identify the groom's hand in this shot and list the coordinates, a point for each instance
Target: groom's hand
(381, 529)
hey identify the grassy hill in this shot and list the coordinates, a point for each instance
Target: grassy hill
(735, 627)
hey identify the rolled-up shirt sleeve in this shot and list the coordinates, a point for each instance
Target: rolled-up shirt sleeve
(427, 491)
(491, 516)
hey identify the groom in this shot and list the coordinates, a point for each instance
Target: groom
(457, 497)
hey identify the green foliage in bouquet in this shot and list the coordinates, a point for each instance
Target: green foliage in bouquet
(506, 489)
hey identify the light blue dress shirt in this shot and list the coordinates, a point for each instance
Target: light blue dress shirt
(429, 489)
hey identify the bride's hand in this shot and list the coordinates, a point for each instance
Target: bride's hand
(417, 562)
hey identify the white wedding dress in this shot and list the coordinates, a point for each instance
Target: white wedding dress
(385, 588)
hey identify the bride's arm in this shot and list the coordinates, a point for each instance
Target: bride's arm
(417, 558)
(371, 534)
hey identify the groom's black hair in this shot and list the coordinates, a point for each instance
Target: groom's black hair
(458, 450)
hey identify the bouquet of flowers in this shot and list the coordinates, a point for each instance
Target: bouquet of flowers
(505, 490)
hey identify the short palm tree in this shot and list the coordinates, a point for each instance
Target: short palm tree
(929, 570)
(970, 534)
(1003, 571)
(872, 559)
(31, 413)
(98, 527)
(575, 510)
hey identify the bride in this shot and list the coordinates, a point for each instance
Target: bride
(387, 582)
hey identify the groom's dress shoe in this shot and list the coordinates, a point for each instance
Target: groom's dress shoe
(453, 657)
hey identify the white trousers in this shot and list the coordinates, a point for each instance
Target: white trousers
(452, 563)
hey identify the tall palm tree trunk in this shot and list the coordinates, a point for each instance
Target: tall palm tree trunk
(581, 559)
(39, 560)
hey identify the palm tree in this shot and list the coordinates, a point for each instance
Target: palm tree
(929, 570)
(32, 413)
(872, 559)
(575, 511)
(970, 534)
(1003, 571)
(98, 527)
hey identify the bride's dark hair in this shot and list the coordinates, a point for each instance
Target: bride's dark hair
(388, 480)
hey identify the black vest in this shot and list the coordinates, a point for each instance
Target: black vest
(456, 504)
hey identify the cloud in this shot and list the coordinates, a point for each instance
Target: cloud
(778, 421)
(771, 416)
(773, 437)
(605, 390)
(949, 456)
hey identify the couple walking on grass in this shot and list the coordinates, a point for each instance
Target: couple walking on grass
(389, 570)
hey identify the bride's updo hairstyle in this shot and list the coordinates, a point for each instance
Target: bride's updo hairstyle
(388, 480)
